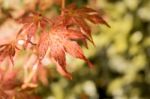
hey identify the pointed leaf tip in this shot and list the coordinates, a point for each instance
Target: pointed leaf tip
(64, 72)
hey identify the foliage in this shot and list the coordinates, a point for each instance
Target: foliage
(120, 54)
(54, 38)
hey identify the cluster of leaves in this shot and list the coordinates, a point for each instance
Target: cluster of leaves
(52, 38)
(60, 35)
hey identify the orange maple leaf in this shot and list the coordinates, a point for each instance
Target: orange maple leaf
(61, 41)
(7, 50)
(31, 24)
(78, 16)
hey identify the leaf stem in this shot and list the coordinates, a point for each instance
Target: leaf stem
(62, 6)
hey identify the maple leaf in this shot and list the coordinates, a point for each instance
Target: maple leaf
(7, 50)
(61, 41)
(78, 16)
(31, 24)
(85, 13)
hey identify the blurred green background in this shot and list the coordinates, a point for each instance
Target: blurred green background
(121, 56)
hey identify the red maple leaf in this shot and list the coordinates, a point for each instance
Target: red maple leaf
(66, 30)
(61, 41)
(7, 50)
(31, 24)
(78, 16)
